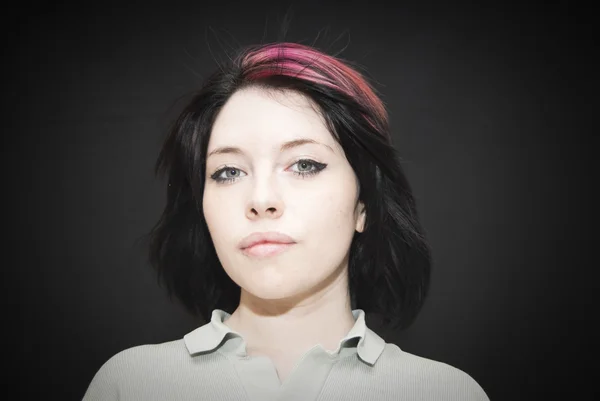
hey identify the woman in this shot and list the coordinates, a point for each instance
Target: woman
(288, 218)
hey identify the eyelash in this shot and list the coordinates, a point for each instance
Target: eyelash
(318, 168)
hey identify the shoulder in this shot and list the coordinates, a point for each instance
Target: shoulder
(427, 378)
(137, 365)
(140, 356)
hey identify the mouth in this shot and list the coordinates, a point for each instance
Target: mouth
(266, 249)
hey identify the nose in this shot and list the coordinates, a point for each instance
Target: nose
(265, 200)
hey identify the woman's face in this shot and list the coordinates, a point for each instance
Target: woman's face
(308, 192)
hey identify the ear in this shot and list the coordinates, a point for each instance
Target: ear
(361, 217)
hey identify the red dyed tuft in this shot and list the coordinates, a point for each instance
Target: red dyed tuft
(304, 62)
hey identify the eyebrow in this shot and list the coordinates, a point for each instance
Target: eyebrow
(285, 146)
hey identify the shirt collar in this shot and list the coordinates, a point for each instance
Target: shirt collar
(210, 336)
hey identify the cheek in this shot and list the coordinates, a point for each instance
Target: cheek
(330, 210)
(215, 212)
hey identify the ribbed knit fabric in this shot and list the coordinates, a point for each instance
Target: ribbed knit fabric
(210, 364)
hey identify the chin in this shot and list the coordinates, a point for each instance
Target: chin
(274, 290)
(271, 293)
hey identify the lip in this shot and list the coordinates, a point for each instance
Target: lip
(271, 238)
(266, 249)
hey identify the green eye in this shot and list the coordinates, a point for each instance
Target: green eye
(306, 167)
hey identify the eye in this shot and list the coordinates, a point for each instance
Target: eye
(230, 174)
(307, 167)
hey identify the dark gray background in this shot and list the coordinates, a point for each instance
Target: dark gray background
(487, 110)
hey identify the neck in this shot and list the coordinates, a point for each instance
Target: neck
(293, 327)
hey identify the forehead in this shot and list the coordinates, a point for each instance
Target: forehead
(255, 114)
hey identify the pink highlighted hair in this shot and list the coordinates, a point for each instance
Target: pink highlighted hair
(306, 63)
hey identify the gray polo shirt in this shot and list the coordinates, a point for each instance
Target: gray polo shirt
(211, 364)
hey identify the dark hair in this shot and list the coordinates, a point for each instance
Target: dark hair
(389, 262)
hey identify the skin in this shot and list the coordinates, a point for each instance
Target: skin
(292, 301)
